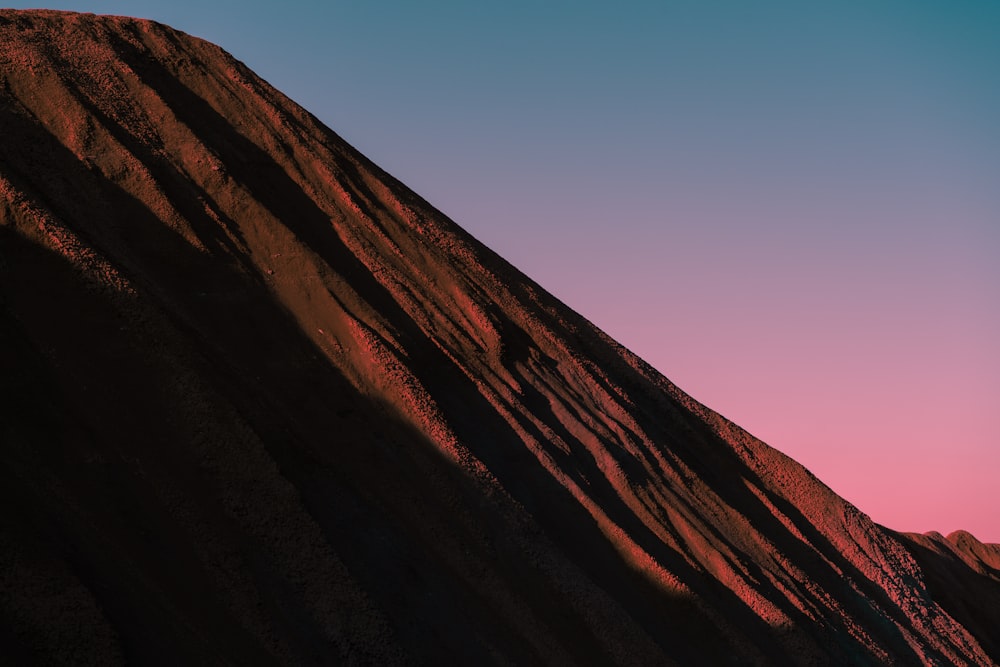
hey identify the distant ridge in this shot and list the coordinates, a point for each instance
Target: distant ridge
(261, 403)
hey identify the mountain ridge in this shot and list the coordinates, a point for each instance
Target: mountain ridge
(402, 448)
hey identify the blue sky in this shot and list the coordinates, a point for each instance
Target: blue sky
(792, 209)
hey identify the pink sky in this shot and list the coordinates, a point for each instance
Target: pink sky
(866, 351)
(791, 210)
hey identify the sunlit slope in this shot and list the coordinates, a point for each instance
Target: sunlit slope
(262, 402)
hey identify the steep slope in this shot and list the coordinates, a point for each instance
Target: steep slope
(263, 403)
(963, 576)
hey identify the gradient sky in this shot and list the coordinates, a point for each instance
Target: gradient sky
(792, 209)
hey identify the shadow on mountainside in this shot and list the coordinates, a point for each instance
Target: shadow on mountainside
(199, 483)
(970, 597)
(191, 478)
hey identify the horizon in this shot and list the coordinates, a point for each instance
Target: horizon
(788, 239)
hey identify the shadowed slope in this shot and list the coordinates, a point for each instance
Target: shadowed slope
(963, 576)
(262, 401)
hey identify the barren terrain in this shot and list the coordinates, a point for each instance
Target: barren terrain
(259, 402)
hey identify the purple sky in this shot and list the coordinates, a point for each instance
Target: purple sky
(792, 211)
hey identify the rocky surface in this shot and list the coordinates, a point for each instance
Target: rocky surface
(262, 403)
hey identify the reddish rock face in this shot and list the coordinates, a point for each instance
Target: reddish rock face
(260, 402)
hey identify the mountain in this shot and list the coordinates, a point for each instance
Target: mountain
(261, 403)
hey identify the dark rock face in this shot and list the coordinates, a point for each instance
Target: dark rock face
(261, 403)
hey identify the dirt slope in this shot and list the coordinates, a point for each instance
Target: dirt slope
(262, 403)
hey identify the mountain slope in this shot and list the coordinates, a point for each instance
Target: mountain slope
(263, 403)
